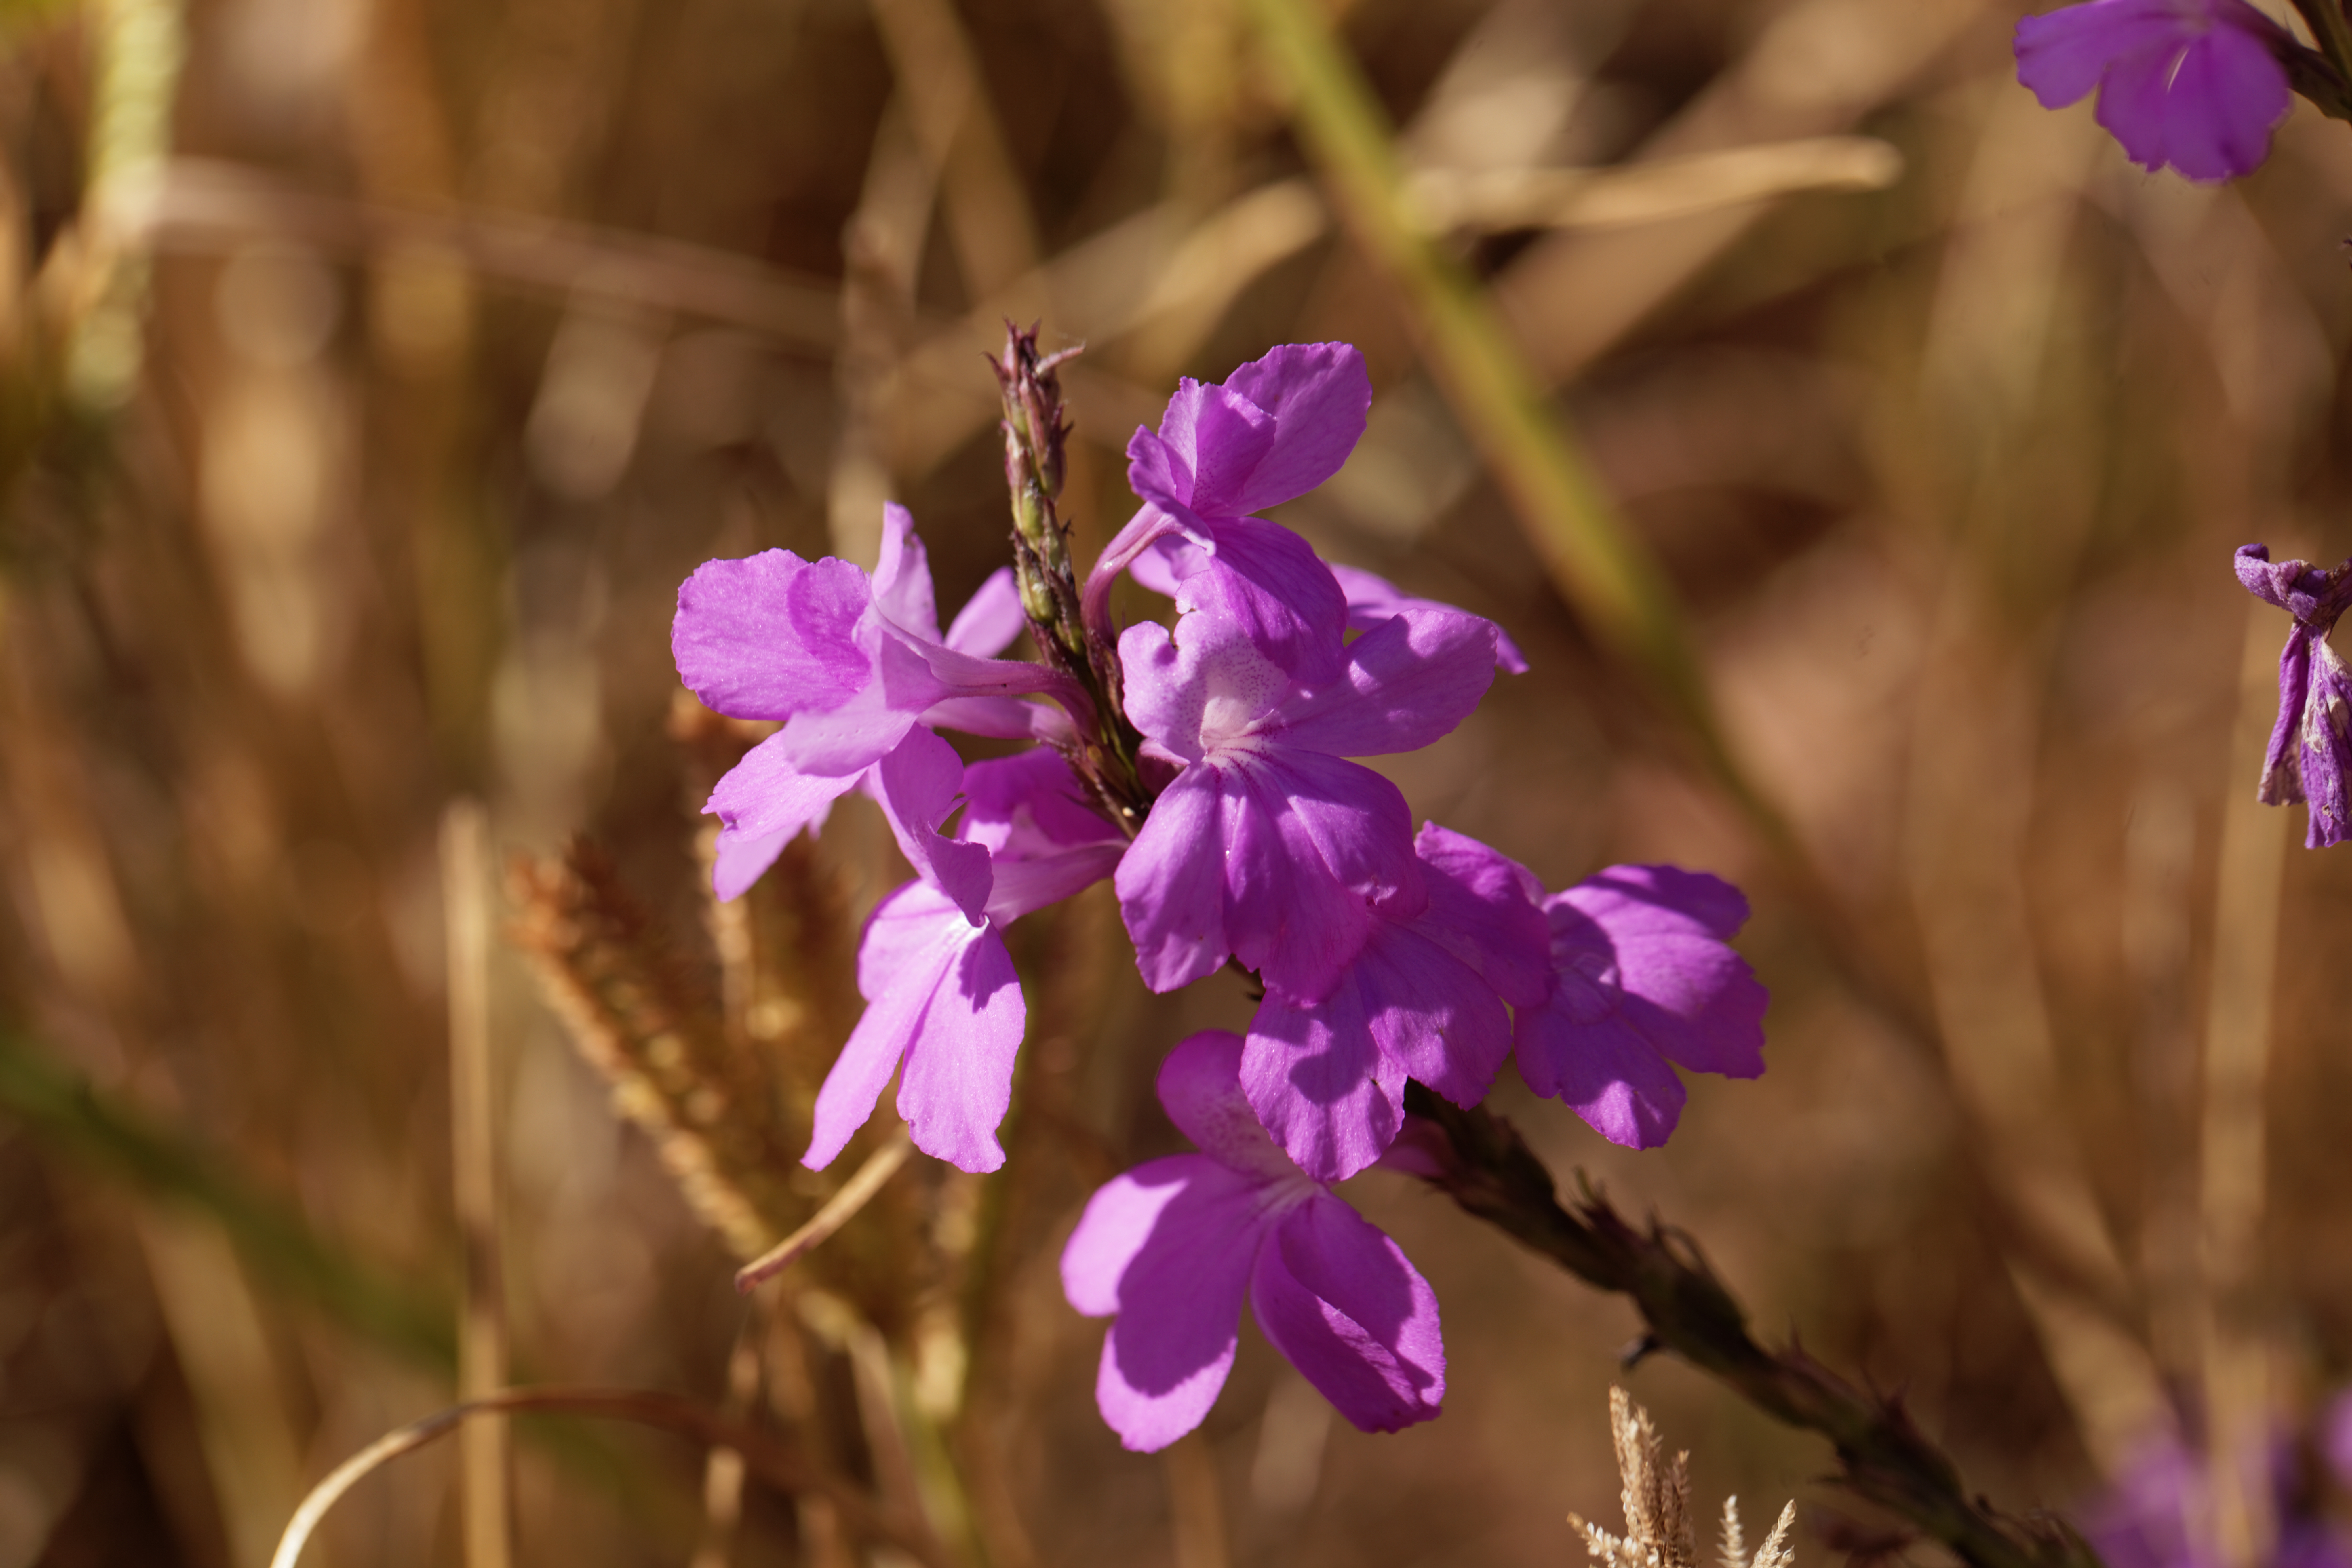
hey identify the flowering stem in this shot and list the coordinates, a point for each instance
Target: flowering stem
(1108, 747)
(1686, 1310)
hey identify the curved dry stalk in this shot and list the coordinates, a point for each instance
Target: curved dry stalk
(763, 1455)
(838, 1211)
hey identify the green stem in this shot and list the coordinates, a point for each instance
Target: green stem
(1604, 573)
(63, 1110)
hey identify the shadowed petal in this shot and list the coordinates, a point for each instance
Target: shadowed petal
(1591, 1057)
(1201, 1088)
(1342, 1303)
(1483, 909)
(1320, 1084)
(958, 1082)
(917, 786)
(1178, 1292)
(2325, 747)
(1407, 684)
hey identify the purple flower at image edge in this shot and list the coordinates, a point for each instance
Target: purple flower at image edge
(1171, 1250)
(2310, 753)
(2195, 85)
(2155, 1513)
(1646, 979)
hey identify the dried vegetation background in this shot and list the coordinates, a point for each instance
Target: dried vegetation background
(375, 369)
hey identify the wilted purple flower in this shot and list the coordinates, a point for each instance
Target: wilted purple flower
(855, 665)
(2195, 84)
(1644, 980)
(1171, 1248)
(942, 1000)
(1425, 999)
(2311, 745)
(1268, 433)
(1266, 847)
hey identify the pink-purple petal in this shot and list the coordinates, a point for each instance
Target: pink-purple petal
(2243, 90)
(1483, 909)
(771, 636)
(2196, 85)
(1318, 396)
(916, 786)
(1171, 885)
(902, 576)
(1406, 685)
(911, 943)
(1374, 600)
(1341, 1303)
(761, 802)
(1179, 1298)
(956, 1082)
(990, 619)
(1312, 844)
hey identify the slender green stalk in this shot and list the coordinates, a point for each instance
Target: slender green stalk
(1604, 573)
(1486, 1167)
(63, 1110)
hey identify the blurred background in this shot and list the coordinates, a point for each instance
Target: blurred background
(373, 370)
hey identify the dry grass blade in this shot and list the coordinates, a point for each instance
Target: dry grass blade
(713, 1116)
(764, 1454)
(1655, 1495)
(839, 1209)
(1653, 191)
(481, 1328)
(198, 204)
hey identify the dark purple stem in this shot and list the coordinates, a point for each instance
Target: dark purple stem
(1883, 1457)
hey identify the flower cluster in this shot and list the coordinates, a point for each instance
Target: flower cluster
(1206, 768)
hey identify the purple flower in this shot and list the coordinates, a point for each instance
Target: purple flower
(1266, 847)
(855, 666)
(1644, 980)
(2196, 84)
(1373, 601)
(2310, 744)
(1270, 432)
(944, 1009)
(1425, 999)
(1171, 1248)
(2157, 1512)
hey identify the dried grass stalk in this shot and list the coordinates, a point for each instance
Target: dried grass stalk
(715, 1113)
(1655, 1495)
